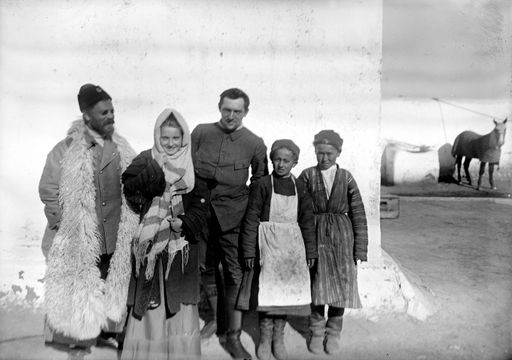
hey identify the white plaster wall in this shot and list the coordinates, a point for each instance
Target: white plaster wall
(306, 65)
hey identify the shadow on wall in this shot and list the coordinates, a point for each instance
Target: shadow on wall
(446, 164)
(403, 163)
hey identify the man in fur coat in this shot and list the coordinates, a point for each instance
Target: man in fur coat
(90, 227)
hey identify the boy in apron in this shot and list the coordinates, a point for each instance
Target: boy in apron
(279, 246)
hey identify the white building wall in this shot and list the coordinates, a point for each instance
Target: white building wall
(307, 66)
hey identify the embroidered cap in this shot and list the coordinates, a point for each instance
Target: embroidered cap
(329, 137)
(91, 94)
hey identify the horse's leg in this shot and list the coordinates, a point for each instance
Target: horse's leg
(491, 173)
(467, 160)
(480, 174)
(458, 162)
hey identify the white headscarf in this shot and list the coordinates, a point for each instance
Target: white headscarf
(183, 158)
(154, 228)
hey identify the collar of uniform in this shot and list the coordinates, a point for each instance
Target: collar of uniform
(234, 134)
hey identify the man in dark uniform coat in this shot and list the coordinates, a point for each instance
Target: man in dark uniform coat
(223, 153)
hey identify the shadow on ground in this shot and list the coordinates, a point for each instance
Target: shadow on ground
(449, 188)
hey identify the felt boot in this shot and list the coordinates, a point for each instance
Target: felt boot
(317, 333)
(278, 348)
(264, 346)
(333, 330)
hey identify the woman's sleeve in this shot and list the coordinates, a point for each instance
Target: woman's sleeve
(251, 221)
(195, 218)
(142, 181)
(357, 215)
(306, 221)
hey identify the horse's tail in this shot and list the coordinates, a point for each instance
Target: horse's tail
(455, 146)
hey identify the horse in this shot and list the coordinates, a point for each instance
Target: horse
(486, 148)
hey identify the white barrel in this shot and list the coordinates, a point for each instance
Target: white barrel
(402, 166)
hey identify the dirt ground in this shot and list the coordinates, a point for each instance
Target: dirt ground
(460, 247)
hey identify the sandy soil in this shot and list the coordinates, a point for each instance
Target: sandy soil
(461, 248)
(451, 189)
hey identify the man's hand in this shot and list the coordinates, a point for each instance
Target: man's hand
(249, 263)
(311, 262)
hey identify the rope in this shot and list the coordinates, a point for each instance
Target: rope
(442, 121)
(464, 108)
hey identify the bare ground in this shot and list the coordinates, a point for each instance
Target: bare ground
(458, 243)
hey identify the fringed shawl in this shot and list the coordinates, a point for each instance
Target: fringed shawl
(155, 235)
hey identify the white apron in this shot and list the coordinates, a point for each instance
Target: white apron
(284, 277)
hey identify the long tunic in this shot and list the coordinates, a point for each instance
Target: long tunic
(342, 237)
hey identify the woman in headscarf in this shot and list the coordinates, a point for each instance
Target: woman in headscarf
(164, 290)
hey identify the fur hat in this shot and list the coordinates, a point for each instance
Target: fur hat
(284, 143)
(329, 137)
(90, 94)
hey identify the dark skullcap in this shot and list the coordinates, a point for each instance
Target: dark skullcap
(284, 143)
(90, 94)
(330, 137)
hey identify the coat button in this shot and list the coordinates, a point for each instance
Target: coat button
(103, 203)
(104, 220)
(101, 171)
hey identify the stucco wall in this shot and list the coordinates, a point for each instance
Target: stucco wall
(306, 65)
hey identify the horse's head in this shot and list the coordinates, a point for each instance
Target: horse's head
(499, 131)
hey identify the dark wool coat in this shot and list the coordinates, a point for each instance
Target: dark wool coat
(143, 180)
(258, 210)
